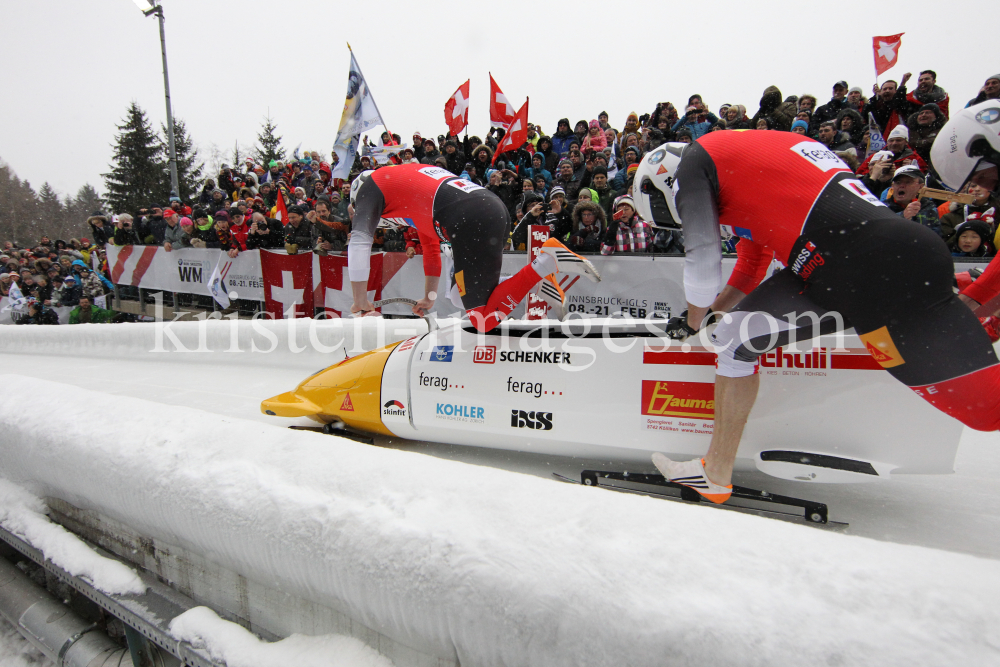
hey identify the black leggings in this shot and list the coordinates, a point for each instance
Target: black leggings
(475, 224)
(889, 278)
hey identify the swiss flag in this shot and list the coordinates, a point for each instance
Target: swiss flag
(456, 109)
(501, 112)
(334, 294)
(281, 211)
(288, 283)
(886, 51)
(517, 133)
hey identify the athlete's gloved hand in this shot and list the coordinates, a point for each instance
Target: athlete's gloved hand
(678, 328)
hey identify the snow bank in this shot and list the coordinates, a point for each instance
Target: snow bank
(263, 341)
(16, 651)
(491, 567)
(24, 515)
(235, 646)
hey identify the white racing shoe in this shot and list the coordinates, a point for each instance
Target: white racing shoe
(568, 261)
(692, 474)
(552, 294)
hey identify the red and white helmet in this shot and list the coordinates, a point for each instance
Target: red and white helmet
(653, 187)
(967, 144)
(358, 182)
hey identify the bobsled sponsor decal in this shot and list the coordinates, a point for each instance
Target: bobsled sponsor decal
(742, 232)
(436, 382)
(463, 185)
(988, 116)
(435, 172)
(393, 408)
(536, 357)
(879, 344)
(407, 344)
(533, 388)
(858, 189)
(819, 155)
(817, 361)
(674, 356)
(485, 354)
(347, 405)
(678, 399)
(540, 421)
(442, 352)
(470, 414)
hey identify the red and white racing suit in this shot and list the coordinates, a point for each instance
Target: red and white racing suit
(851, 262)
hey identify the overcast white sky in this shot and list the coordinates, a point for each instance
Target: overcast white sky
(71, 67)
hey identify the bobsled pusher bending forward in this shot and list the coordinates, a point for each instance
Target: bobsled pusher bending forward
(850, 262)
(446, 209)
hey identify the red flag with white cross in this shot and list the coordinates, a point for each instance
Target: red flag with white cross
(456, 109)
(886, 51)
(501, 112)
(517, 133)
(288, 284)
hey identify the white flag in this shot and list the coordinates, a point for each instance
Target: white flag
(16, 298)
(360, 115)
(217, 282)
(613, 161)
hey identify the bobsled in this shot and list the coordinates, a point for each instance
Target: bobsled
(620, 390)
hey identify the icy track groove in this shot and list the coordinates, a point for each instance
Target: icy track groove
(468, 562)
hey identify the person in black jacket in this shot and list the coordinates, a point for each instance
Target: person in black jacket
(38, 314)
(830, 110)
(100, 228)
(264, 233)
(299, 233)
(124, 231)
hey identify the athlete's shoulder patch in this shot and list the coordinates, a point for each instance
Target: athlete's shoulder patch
(857, 188)
(464, 185)
(819, 155)
(435, 172)
(879, 344)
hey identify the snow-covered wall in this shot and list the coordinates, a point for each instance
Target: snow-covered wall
(266, 342)
(492, 567)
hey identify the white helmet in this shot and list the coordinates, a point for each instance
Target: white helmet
(968, 143)
(358, 182)
(653, 187)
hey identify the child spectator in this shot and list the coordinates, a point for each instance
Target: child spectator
(972, 239)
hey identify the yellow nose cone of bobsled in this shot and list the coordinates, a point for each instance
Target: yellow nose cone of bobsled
(349, 391)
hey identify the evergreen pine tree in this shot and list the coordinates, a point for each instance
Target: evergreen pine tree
(237, 157)
(189, 170)
(86, 201)
(138, 177)
(49, 207)
(268, 145)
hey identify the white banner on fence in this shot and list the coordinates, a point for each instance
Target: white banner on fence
(633, 285)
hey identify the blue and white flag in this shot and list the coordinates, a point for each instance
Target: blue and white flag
(360, 115)
(217, 281)
(17, 299)
(875, 140)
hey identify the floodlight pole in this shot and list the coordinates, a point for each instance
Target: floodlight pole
(174, 188)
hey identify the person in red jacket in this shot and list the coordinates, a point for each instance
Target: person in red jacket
(850, 262)
(473, 221)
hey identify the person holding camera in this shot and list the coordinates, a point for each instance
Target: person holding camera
(627, 231)
(124, 233)
(264, 232)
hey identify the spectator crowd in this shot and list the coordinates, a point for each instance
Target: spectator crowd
(577, 180)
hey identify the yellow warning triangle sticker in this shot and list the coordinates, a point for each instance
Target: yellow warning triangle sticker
(347, 405)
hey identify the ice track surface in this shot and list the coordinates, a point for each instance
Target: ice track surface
(481, 565)
(953, 512)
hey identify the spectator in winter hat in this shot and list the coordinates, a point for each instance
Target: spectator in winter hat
(566, 179)
(985, 207)
(800, 127)
(971, 239)
(856, 98)
(626, 232)
(595, 139)
(878, 169)
(736, 118)
(989, 91)
(906, 201)
(924, 125)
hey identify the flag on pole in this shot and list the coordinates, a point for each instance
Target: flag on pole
(456, 109)
(360, 115)
(875, 140)
(501, 112)
(16, 297)
(217, 281)
(281, 211)
(517, 133)
(886, 50)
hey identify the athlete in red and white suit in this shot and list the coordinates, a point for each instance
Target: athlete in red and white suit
(850, 262)
(443, 208)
